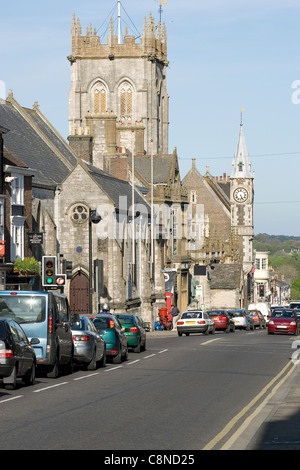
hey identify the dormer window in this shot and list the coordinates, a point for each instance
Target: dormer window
(241, 166)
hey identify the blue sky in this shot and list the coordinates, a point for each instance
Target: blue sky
(224, 55)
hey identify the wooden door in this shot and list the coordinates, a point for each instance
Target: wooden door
(79, 294)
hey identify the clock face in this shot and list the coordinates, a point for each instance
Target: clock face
(240, 194)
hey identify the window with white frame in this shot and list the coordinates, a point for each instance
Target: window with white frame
(17, 238)
(17, 189)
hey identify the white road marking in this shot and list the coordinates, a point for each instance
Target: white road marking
(12, 398)
(51, 386)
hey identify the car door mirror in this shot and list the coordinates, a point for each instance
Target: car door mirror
(34, 341)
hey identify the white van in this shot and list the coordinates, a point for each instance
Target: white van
(263, 308)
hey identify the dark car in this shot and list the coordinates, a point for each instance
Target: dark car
(134, 330)
(17, 356)
(114, 336)
(89, 346)
(222, 320)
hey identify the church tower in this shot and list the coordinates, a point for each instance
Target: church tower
(118, 99)
(241, 198)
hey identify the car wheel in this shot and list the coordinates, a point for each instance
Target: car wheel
(126, 355)
(187, 334)
(143, 346)
(102, 362)
(117, 359)
(179, 333)
(93, 364)
(10, 382)
(53, 373)
(29, 378)
(137, 349)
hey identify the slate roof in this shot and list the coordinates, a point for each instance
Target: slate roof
(225, 276)
(115, 187)
(162, 166)
(29, 143)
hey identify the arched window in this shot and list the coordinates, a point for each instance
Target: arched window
(126, 101)
(99, 98)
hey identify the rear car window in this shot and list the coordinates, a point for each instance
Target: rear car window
(192, 315)
(125, 320)
(23, 308)
(101, 323)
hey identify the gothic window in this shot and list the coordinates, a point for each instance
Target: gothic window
(79, 214)
(126, 101)
(99, 95)
(241, 166)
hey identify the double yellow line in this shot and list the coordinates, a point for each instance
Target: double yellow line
(240, 415)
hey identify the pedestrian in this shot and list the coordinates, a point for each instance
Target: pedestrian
(174, 312)
(105, 308)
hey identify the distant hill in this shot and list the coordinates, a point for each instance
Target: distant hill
(284, 253)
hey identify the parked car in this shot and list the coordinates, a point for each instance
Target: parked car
(222, 320)
(134, 330)
(241, 318)
(89, 346)
(114, 336)
(46, 316)
(258, 318)
(17, 356)
(283, 320)
(195, 321)
(262, 307)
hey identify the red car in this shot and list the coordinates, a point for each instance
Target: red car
(283, 320)
(222, 320)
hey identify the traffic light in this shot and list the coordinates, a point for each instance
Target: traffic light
(261, 290)
(67, 268)
(50, 277)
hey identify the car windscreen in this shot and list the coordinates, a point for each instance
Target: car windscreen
(283, 314)
(23, 308)
(215, 314)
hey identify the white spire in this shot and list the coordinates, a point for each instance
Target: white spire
(241, 163)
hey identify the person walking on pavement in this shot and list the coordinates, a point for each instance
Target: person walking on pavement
(174, 312)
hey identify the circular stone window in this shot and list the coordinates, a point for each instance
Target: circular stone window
(79, 214)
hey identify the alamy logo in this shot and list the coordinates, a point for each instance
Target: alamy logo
(295, 355)
(296, 93)
(2, 90)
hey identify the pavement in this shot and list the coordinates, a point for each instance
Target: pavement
(277, 424)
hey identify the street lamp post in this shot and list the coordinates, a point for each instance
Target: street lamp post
(95, 219)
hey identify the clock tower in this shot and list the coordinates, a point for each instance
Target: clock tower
(241, 198)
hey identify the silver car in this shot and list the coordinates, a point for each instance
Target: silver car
(89, 346)
(195, 321)
(241, 318)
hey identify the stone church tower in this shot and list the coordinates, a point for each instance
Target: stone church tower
(118, 100)
(241, 198)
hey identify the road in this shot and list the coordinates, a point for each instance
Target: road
(182, 393)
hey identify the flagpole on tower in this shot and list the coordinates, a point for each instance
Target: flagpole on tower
(119, 22)
(162, 2)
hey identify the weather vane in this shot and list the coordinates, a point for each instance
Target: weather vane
(242, 110)
(162, 2)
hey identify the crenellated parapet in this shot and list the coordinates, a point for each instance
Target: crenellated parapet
(152, 45)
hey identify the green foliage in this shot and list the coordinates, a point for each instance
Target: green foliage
(284, 253)
(295, 289)
(27, 266)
